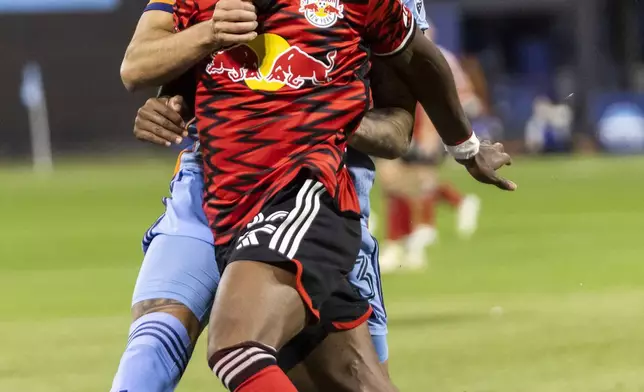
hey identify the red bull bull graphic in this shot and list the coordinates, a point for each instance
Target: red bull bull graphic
(294, 67)
(279, 64)
(312, 7)
(322, 13)
(239, 63)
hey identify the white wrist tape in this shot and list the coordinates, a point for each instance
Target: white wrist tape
(465, 150)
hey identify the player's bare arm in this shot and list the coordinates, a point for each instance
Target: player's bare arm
(426, 73)
(384, 133)
(157, 55)
(386, 130)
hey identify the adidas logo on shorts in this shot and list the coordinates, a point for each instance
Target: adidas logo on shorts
(260, 224)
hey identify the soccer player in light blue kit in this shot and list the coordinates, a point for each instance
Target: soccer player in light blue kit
(179, 268)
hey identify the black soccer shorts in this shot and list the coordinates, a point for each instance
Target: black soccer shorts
(302, 231)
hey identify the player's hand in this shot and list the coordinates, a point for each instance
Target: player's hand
(233, 22)
(483, 166)
(159, 121)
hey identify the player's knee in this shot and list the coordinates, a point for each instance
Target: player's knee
(172, 307)
(232, 328)
(272, 318)
(222, 334)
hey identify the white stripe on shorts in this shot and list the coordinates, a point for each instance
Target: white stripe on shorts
(303, 215)
(307, 224)
(299, 220)
(291, 216)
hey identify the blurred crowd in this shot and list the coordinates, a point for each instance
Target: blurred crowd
(542, 77)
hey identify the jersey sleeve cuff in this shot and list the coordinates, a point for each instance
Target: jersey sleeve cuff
(165, 7)
(403, 45)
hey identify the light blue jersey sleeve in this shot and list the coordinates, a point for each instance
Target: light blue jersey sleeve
(417, 8)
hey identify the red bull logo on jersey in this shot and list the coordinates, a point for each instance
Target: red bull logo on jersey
(269, 63)
(239, 63)
(294, 67)
(322, 13)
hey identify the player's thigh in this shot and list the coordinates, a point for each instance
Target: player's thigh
(366, 278)
(319, 360)
(255, 302)
(179, 276)
(184, 214)
(347, 362)
(336, 360)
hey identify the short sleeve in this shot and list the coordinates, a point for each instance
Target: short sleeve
(160, 5)
(390, 27)
(185, 12)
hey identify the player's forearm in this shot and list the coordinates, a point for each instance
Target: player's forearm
(427, 74)
(160, 56)
(385, 133)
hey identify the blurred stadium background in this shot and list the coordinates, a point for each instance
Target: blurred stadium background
(547, 296)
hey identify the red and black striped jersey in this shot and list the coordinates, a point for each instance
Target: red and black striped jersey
(288, 100)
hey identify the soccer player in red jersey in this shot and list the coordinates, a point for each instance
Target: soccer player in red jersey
(162, 300)
(274, 116)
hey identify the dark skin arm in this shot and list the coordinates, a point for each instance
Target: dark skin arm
(424, 70)
(162, 120)
(384, 133)
(386, 130)
(159, 121)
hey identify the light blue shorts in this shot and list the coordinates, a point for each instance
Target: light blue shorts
(179, 260)
(366, 278)
(179, 268)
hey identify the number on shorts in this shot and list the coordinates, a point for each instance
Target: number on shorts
(365, 275)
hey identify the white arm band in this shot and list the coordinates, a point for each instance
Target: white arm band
(465, 150)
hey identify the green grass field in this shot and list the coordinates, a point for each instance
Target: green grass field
(563, 257)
